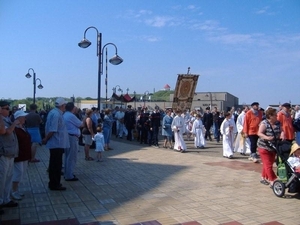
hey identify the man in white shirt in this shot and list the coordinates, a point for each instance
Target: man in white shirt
(297, 112)
(119, 116)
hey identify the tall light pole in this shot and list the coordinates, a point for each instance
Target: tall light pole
(40, 86)
(146, 93)
(116, 60)
(134, 93)
(115, 89)
(210, 97)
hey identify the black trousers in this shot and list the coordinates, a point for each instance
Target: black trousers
(207, 132)
(55, 165)
(253, 143)
(155, 130)
(144, 135)
(129, 135)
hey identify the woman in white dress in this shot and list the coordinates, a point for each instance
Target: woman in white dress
(178, 127)
(228, 130)
(197, 130)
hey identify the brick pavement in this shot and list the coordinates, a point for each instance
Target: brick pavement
(137, 184)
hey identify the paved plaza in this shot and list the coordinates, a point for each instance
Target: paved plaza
(138, 184)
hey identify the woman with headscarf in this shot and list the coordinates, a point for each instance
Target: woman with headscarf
(21, 162)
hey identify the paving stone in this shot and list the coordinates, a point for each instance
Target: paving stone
(138, 184)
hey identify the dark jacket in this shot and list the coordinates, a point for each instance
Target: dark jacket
(155, 118)
(208, 119)
(24, 141)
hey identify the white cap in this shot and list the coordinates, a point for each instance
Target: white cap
(60, 102)
(19, 113)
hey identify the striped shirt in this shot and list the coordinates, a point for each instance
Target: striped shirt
(261, 143)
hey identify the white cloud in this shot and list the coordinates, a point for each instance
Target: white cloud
(208, 25)
(151, 38)
(143, 12)
(191, 7)
(265, 10)
(233, 38)
(288, 39)
(160, 21)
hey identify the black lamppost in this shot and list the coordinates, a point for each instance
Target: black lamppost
(40, 86)
(134, 94)
(210, 97)
(144, 97)
(115, 89)
(116, 60)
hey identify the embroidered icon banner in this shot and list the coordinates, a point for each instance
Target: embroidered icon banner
(184, 91)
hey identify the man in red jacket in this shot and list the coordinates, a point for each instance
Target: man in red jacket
(286, 122)
(251, 124)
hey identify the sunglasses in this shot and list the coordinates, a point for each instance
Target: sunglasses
(7, 108)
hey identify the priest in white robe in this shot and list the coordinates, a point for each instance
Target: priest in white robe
(228, 130)
(178, 127)
(242, 144)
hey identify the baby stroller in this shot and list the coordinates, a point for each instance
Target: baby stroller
(287, 178)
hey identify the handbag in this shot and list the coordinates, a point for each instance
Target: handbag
(269, 143)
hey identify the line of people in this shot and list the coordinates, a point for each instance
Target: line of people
(19, 138)
(257, 131)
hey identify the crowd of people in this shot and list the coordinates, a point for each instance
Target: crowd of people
(248, 131)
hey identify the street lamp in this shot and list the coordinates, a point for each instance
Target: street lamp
(210, 97)
(116, 60)
(134, 94)
(144, 97)
(40, 86)
(115, 89)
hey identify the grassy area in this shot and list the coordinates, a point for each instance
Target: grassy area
(158, 96)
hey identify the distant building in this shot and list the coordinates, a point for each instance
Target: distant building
(222, 100)
(167, 87)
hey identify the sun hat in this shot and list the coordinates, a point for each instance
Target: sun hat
(19, 113)
(294, 148)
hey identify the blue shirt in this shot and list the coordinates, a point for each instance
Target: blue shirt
(72, 123)
(55, 123)
(95, 118)
(107, 121)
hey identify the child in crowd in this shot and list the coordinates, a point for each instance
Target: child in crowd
(294, 158)
(228, 130)
(198, 131)
(99, 139)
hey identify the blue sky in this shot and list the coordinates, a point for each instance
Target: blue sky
(250, 49)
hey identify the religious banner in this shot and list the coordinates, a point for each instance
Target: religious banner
(184, 91)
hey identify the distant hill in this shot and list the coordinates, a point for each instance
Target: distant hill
(163, 95)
